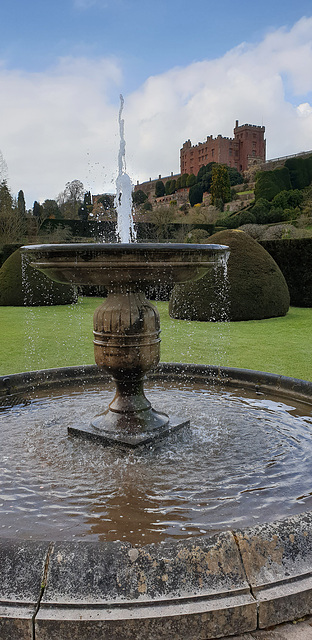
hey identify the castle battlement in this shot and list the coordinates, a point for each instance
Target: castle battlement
(247, 147)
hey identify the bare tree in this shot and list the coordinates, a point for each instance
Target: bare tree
(12, 225)
(71, 199)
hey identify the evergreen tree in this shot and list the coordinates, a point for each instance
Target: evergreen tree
(139, 197)
(195, 194)
(37, 209)
(21, 205)
(50, 209)
(191, 180)
(220, 184)
(159, 189)
(6, 200)
(170, 187)
(12, 226)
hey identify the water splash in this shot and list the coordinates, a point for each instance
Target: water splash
(123, 202)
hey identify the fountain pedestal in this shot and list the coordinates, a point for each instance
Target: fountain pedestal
(126, 325)
(127, 345)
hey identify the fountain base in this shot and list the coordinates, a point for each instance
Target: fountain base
(110, 429)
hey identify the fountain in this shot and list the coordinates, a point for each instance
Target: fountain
(201, 586)
(126, 325)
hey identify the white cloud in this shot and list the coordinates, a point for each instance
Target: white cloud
(63, 124)
(304, 110)
(249, 83)
(59, 126)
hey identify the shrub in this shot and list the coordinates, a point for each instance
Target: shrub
(139, 197)
(257, 288)
(300, 171)
(288, 199)
(270, 183)
(31, 289)
(184, 207)
(196, 194)
(247, 217)
(196, 236)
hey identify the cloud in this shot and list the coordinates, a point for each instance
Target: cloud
(257, 84)
(59, 125)
(63, 124)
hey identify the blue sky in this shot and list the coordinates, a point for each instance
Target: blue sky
(186, 70)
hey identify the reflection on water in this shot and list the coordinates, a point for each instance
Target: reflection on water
(243, 460)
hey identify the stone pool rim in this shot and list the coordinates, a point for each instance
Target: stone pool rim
(229, 583)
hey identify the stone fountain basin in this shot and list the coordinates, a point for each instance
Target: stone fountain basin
(105, 264)
(229, 583)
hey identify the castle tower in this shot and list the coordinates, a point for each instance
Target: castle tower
(245, 149)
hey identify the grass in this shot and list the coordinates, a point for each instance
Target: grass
(47, 337)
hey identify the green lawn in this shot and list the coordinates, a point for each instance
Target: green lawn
(45, 337)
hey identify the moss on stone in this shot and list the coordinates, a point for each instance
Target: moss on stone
(255, 288)
(31, 289)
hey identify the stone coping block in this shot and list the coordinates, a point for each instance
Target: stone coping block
(202, 588)
(22, 574)
(277, 558)
(139, 592)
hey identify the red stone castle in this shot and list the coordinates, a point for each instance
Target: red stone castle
(247, 148)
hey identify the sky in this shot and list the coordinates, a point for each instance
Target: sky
(186, 70)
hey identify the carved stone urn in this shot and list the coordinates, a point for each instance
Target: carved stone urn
(126, 325)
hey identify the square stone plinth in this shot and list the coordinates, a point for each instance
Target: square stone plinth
(125, 437)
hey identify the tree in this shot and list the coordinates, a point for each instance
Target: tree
(163, 217)
(184, 178)
(235, 176)
(159, 189)
(71, 199)
(21, 206)
(50, 209)
(12, 226)
(220, 184)
(196, 194)
(37, 209)
(190, 180)
(170, 187)
(6, 200)
(86, 208)
(139, 197)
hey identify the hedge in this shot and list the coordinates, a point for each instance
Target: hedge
(294, 258)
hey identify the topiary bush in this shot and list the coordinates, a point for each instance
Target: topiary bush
(32, 288)
(256, 286)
